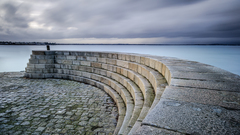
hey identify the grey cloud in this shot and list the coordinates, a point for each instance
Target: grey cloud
(128, 19)
(12, 16)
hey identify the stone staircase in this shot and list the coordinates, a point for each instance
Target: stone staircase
(155, 95)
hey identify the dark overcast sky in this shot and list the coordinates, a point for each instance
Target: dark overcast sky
(121, 21)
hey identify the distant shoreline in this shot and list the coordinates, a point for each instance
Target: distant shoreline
(126, 44)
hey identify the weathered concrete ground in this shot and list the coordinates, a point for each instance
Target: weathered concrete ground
(53, 106)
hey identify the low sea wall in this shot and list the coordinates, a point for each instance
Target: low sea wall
(154, 95)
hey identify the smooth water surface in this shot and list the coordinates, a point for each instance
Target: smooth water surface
(15, 58)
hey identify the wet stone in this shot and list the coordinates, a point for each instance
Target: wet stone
(54, 106)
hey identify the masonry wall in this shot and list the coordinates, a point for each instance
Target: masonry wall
(155, 95)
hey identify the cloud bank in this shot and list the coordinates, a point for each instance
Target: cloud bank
(121, 21)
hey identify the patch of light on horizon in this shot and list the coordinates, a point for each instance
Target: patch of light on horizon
(72, 28)
(36, 25)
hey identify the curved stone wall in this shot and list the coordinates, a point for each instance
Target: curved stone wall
(156, 95)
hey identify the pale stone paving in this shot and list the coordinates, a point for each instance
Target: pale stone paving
(53, 106)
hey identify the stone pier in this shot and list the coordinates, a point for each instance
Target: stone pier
(154, 95)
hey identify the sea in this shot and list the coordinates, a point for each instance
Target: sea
(15, 57)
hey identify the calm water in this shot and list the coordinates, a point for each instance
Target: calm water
(15, 58)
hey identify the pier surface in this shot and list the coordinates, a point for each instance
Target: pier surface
(153, 94)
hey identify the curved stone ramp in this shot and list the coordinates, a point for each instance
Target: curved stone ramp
(199, 95)
(129, 121)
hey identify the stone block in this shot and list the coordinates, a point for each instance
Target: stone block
(87, 53)
(147, 61)
(142, 60)
(49, 56)
(47, 70)
(65, 76)
(47, 66)
(109, 55)
(86, 74)
(33, 61)
(120, 57)
(111, 61)
(138, 59)
(60, 57)
(83, 58)
(145, 72)
(152, 63)
(31, 70)
(95, 54)
(150, 130)
(72, 72)
(80, 79)
(212, 85)
(124, 72)
(65, 71)
(39, 65)
(42, 61)
(168, 76)
(68, 62)
(193, 118)
(139, 69)
(73, 53)
(127, 57)
(55, 70)
(115, 77)
(71, 57)
(58, 61)
(48, 75)
(76, 62)
(58, 76)
(38, 52)
(57, 65)
(95, 64)
(105, 66)
(133, 66)
(96, 70)
(85, 63)
(79, 73)
(114, 68)
(103, 72)
(37, 75)
(102, 60)
(32, 56)
(66, 53)
(131, 74)
(74, 67)
(27, 75)
(91, 59)
(40, 57)
(122, 63)
(30, 65)
(118, 70)
(158, 66)
(204, 96)
(64, 66)
(59, 71)
(58, 53)
(114, 56)
(49, 52)
(110, 67)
